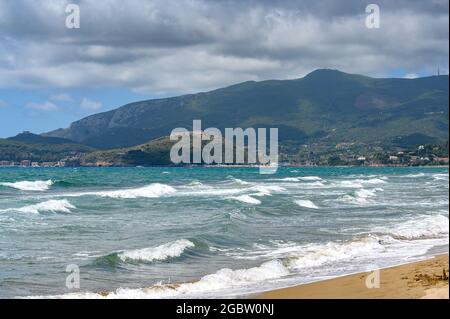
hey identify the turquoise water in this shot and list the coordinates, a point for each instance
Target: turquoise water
(214, 232)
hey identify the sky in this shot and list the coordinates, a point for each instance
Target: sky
(126, 51)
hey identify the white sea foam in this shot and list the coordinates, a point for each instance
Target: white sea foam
(297, 256)
(350, 184)
(373, 181)
(361, 196)
(359, 183)
(402, 240)
(37, 186)
(257, 190)
(306, 203)
(266, 190)
(241, 182)
(162, 252)
(366, 193)
(221, 280)
(440, 177)
(151, 191)
(246, 199)
(288, 179)
(229, 191)
(209, 191)
(414, 175)
(54, 206)
(194, 188)
(421, 227)
(298, 179)
(318, 254)
(316, 184)
(310, 178)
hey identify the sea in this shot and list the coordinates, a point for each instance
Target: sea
(211, 232)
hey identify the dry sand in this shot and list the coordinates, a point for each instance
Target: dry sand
(425, 279)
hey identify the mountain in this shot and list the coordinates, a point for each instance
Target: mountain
(27, 146)
(326, 107)
(27, 137)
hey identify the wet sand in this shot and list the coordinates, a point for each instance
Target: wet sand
(424, 279)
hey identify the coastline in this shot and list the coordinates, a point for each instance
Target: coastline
(427, 279)
(228, 166)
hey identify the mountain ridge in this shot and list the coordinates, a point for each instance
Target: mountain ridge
(326, 106)
(28, 137)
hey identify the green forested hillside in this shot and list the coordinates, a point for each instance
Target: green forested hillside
(11, 150)
(325, 107)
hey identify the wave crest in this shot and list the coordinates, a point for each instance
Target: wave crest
(53, 206)
(160, 253)
(306, 203)
(222, 279)
(37, 186)
(361, 196)
(318, 254)
(424, 227)
(246, 199)
(150, 191)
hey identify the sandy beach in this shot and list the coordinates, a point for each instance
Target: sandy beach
(425, 279)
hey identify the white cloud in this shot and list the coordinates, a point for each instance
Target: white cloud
(44, 106)
(90, 105)
(181, 46)
(63, 97)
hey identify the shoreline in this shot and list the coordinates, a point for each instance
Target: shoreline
(427, 279)
(235, 166)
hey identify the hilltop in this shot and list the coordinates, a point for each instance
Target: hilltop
(325, 107)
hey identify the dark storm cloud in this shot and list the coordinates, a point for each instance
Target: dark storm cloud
(189, 45)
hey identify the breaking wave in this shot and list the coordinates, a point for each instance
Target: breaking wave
(359, 183)
(266, 190)
(440, 177)
(222, 279)
(306, 203)
(246, 199)
(158, 253)
(37, 186)
(422, 227)
(241, 182)
(151, 191)
(319, 254)
(53, 206)
(310, 178)
(298, 179)
(361, 196)
(415, 175)
(288, 179)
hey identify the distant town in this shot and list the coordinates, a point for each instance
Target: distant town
(28, 163)
(424, 155)
(346, 155)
